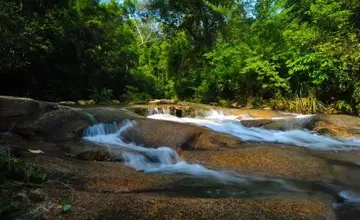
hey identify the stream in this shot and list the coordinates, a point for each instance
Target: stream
(228, 183)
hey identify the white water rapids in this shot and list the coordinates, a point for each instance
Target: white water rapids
(162, 159)
(166, 160)
(228, 124)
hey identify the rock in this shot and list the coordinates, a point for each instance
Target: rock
(86, 151)
(337, 125)
(17, 107)
(234, 105)
(131, 194)
(154, 133)
(115, 102)
(56, 125)
(284, 161)
(90, 102)
(67, 103)
(259, 113)
(333, 125)
(52, 122)
(36, 120)
(81, 102)
(162, 102)
(151, 206)
(256, 123)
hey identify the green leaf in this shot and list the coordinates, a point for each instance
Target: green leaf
(66, 207)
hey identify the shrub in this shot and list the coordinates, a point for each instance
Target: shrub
(103, 95)
(133, 95)
(224, 103)
(343, 107)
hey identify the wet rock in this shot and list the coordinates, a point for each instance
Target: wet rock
(36, 120)
(283, 161)
(81, 102)
(259, 113)
(162, 102)
(279, 124)
(67, 103)
(332, 125)
(115, 102)
(336, 125)
(160, 196)
(155, 133)
(234, 105)
(256, 123)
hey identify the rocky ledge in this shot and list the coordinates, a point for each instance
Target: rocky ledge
(99, 185)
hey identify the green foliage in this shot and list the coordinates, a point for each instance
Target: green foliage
(344, 107)
(16, 169)
(65, 208)
(304, 105)
(133, 95)
(224, 103)
(14, 203)
(103, 95)
(304, 51)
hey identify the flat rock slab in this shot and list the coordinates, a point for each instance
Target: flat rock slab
(151, 206)
(334, 125)
(284, 161)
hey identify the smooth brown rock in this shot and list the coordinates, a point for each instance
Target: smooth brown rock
(67, 103)
(81, 102)
(155, 133)
(162, 101)
(334, 125)
(108, 190)
(151, 206)
(259, 113)
(284, 161)
(39, 120)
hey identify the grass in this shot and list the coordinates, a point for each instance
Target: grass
(303, 105)
(16, 169)
(14, 202)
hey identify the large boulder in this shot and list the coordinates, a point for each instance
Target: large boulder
(39, 120)
(154, 133)
(334, 125)
(162, 101)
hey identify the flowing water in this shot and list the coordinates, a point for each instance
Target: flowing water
(228, 124)
(165, 160)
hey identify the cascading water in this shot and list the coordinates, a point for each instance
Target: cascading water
(153, 111)
(162, 159)
(230, 125)
(167, 161)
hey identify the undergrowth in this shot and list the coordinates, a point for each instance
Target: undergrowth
(17, 169)
(13, 202)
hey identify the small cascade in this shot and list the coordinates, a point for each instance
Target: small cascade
(189, 113)
(153, 111)
(350, 196)
(230, 125)
(218, 114)
(163, 159)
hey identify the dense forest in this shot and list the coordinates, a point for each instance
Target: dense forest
(205, 51)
